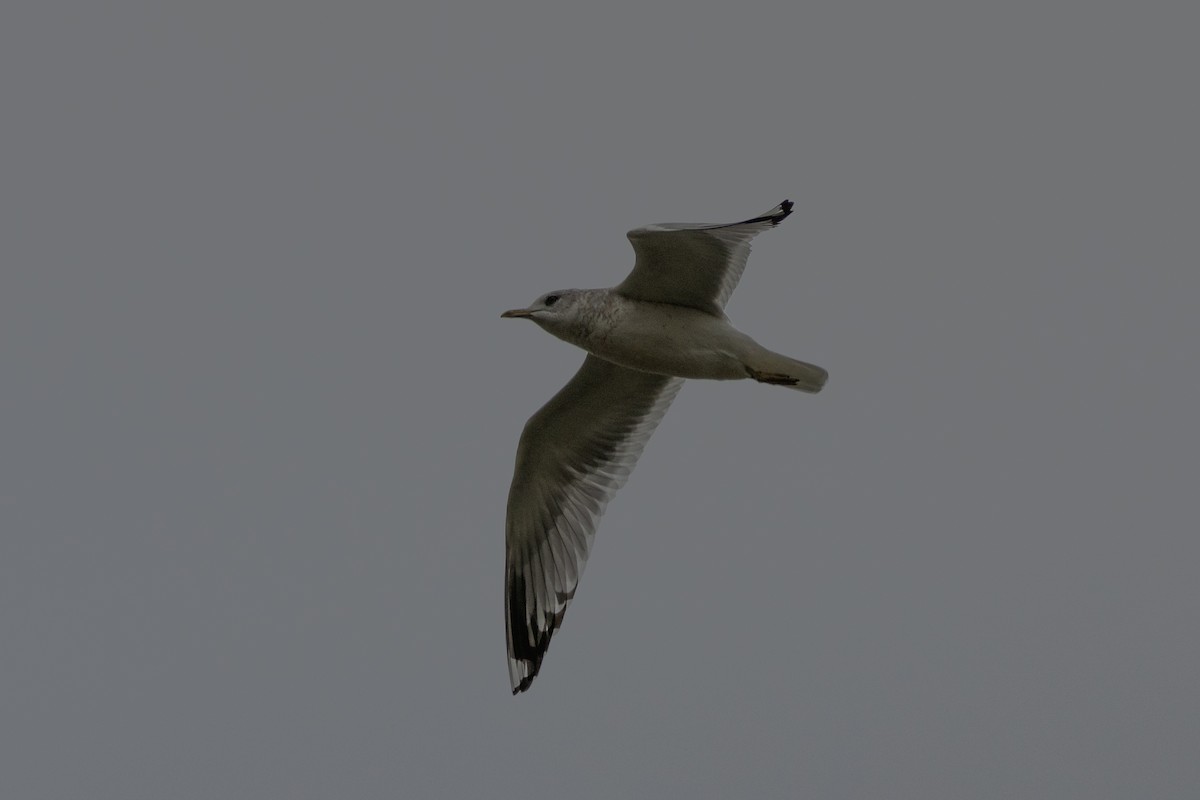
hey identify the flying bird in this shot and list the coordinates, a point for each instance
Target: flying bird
(664, 323)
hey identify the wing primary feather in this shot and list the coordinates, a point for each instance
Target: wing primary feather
(694, 265)
(574, 454)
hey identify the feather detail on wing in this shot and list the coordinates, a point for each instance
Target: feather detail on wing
(575, 453)
(694, 265)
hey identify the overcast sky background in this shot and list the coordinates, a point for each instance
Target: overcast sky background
(259, 410)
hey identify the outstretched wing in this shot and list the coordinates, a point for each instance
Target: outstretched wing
(694, 265)
(575, 453)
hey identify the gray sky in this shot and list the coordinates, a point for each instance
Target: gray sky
(260, 411)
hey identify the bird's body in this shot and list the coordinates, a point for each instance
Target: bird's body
(676, 341)
(664, 323)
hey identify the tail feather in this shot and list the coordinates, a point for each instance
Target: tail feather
(779, 370)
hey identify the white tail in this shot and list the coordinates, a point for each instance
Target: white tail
(779, 370)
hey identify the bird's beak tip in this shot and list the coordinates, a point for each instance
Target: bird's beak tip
(516, 313)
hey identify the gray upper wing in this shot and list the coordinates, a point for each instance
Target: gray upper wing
(575, 453)
(694, 265)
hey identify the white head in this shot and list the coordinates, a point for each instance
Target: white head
(553, 311)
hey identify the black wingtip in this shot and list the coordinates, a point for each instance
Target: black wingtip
(785, 211)
(526, 645)
(531, 664)
(774, 217)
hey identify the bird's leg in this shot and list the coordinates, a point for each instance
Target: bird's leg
(775, 378)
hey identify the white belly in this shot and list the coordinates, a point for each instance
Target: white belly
(670, 340)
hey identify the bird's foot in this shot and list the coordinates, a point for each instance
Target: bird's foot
(775, 378)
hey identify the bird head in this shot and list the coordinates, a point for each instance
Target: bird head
(549, 310)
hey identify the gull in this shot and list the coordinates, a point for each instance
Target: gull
(664, 323)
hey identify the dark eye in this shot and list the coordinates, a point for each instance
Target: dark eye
(551, 299)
